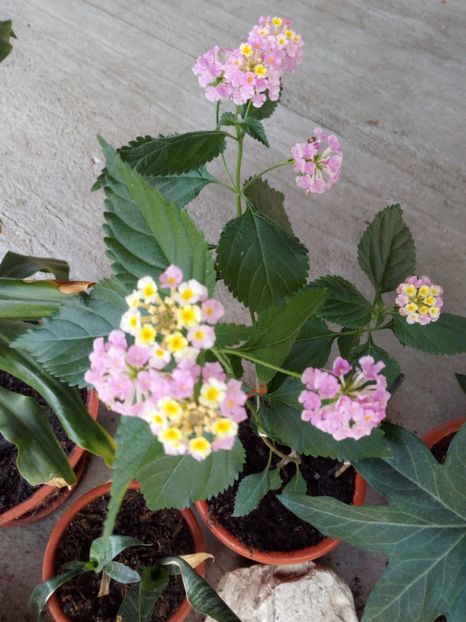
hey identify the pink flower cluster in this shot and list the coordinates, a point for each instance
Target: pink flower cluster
(245, 74)
(191, 408)
(317, 162)
(346, 402)
(419, 300)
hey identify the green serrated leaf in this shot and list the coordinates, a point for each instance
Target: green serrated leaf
(40, 456)
(63, 343)
(179, 190)
(296, 484)
(346, 342)
(260, 262)
(345, 305)
(268, 201)
(253, 488)
(65, 402)
(392, 368)
(145, 234)
(422, 531)
(280, 416)
(104, 550)
(386, 251)
(228, 334)
(6, 33)
(264, 112)
(16, 266)
(445, 336)
(278, 327)
(201, 596)
(173, 155)
(254, 128)
(44, 591)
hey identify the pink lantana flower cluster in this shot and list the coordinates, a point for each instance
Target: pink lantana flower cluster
(246, 73)
(149, 368)
(346, 402)
(419, 300)
(317, 162)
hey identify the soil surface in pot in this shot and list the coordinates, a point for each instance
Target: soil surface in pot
(271, 527)
(14, 489)
(166, 530)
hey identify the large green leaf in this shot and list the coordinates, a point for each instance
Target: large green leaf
(173, 155)
(345, 305)
(104, 550)
(40, 456)
(268, 201)
(278, 327)
(44, 591)
(386, 251)
(145, 234)
(16, 266)
(65, 402)
(29, 299)
(181, 189)
(63, 343)
(445, 336)
(260, 261)
(254, 128)
(280, 415)
(391, 370)
(201, 596)
(422, 531)
(6, 33)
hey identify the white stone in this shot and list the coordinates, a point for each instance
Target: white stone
(305, 592)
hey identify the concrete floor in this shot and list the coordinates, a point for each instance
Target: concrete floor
(387, 76)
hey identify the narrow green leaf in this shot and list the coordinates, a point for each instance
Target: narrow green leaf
(201, 596)
(121, 572)
(278, 327)
(297, 484)
(254, 128)
(253, 488)
(173, 155)
(139, 603)
(65, 402)
(145, 234)
(29, 300)
(280, 415)
(392, 368)
(268, 201)
(44, 591)
(104, 550)
(445, 336)
(461, 378)
(345, 305)
(6, 33)
(259, 261)
(63, 343)
(40, 456)
(386, 251)
(16, 266)
(179, 190)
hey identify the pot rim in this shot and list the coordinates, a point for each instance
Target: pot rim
(433, 436)
(278, 557)
(48, 564)
(13, 516)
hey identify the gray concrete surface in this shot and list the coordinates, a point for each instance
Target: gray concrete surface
(387, 76)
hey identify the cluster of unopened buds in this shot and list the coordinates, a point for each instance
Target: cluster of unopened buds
(253, 69)
(317, 162)
(346, 402)
(154, 374)
(419, 300)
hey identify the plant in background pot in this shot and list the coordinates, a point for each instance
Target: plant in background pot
(6, 33)
(161, 357)
(38, 442)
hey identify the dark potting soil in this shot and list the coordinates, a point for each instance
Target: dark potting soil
(165, 530)
(13, 488)
(271, 527)
(440, 449)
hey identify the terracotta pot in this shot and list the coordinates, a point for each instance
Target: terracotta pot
(48, 565)
(47, 499)
(277, 557)
(437, 434)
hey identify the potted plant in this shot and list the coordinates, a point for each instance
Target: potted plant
(39, 464)
(137, 586)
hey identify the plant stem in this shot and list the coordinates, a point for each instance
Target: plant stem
(240, 136)
(267, 170)
(104, 589)
(253, 359)
(280, 454)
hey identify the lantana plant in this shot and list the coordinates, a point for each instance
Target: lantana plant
(153, 339)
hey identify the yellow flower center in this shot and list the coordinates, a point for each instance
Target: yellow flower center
(246, 49)
(260, 70)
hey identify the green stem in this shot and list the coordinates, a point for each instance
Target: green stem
(225, 165)
(285, 457)
(239, 158)
(253, 359)
(267, 170)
